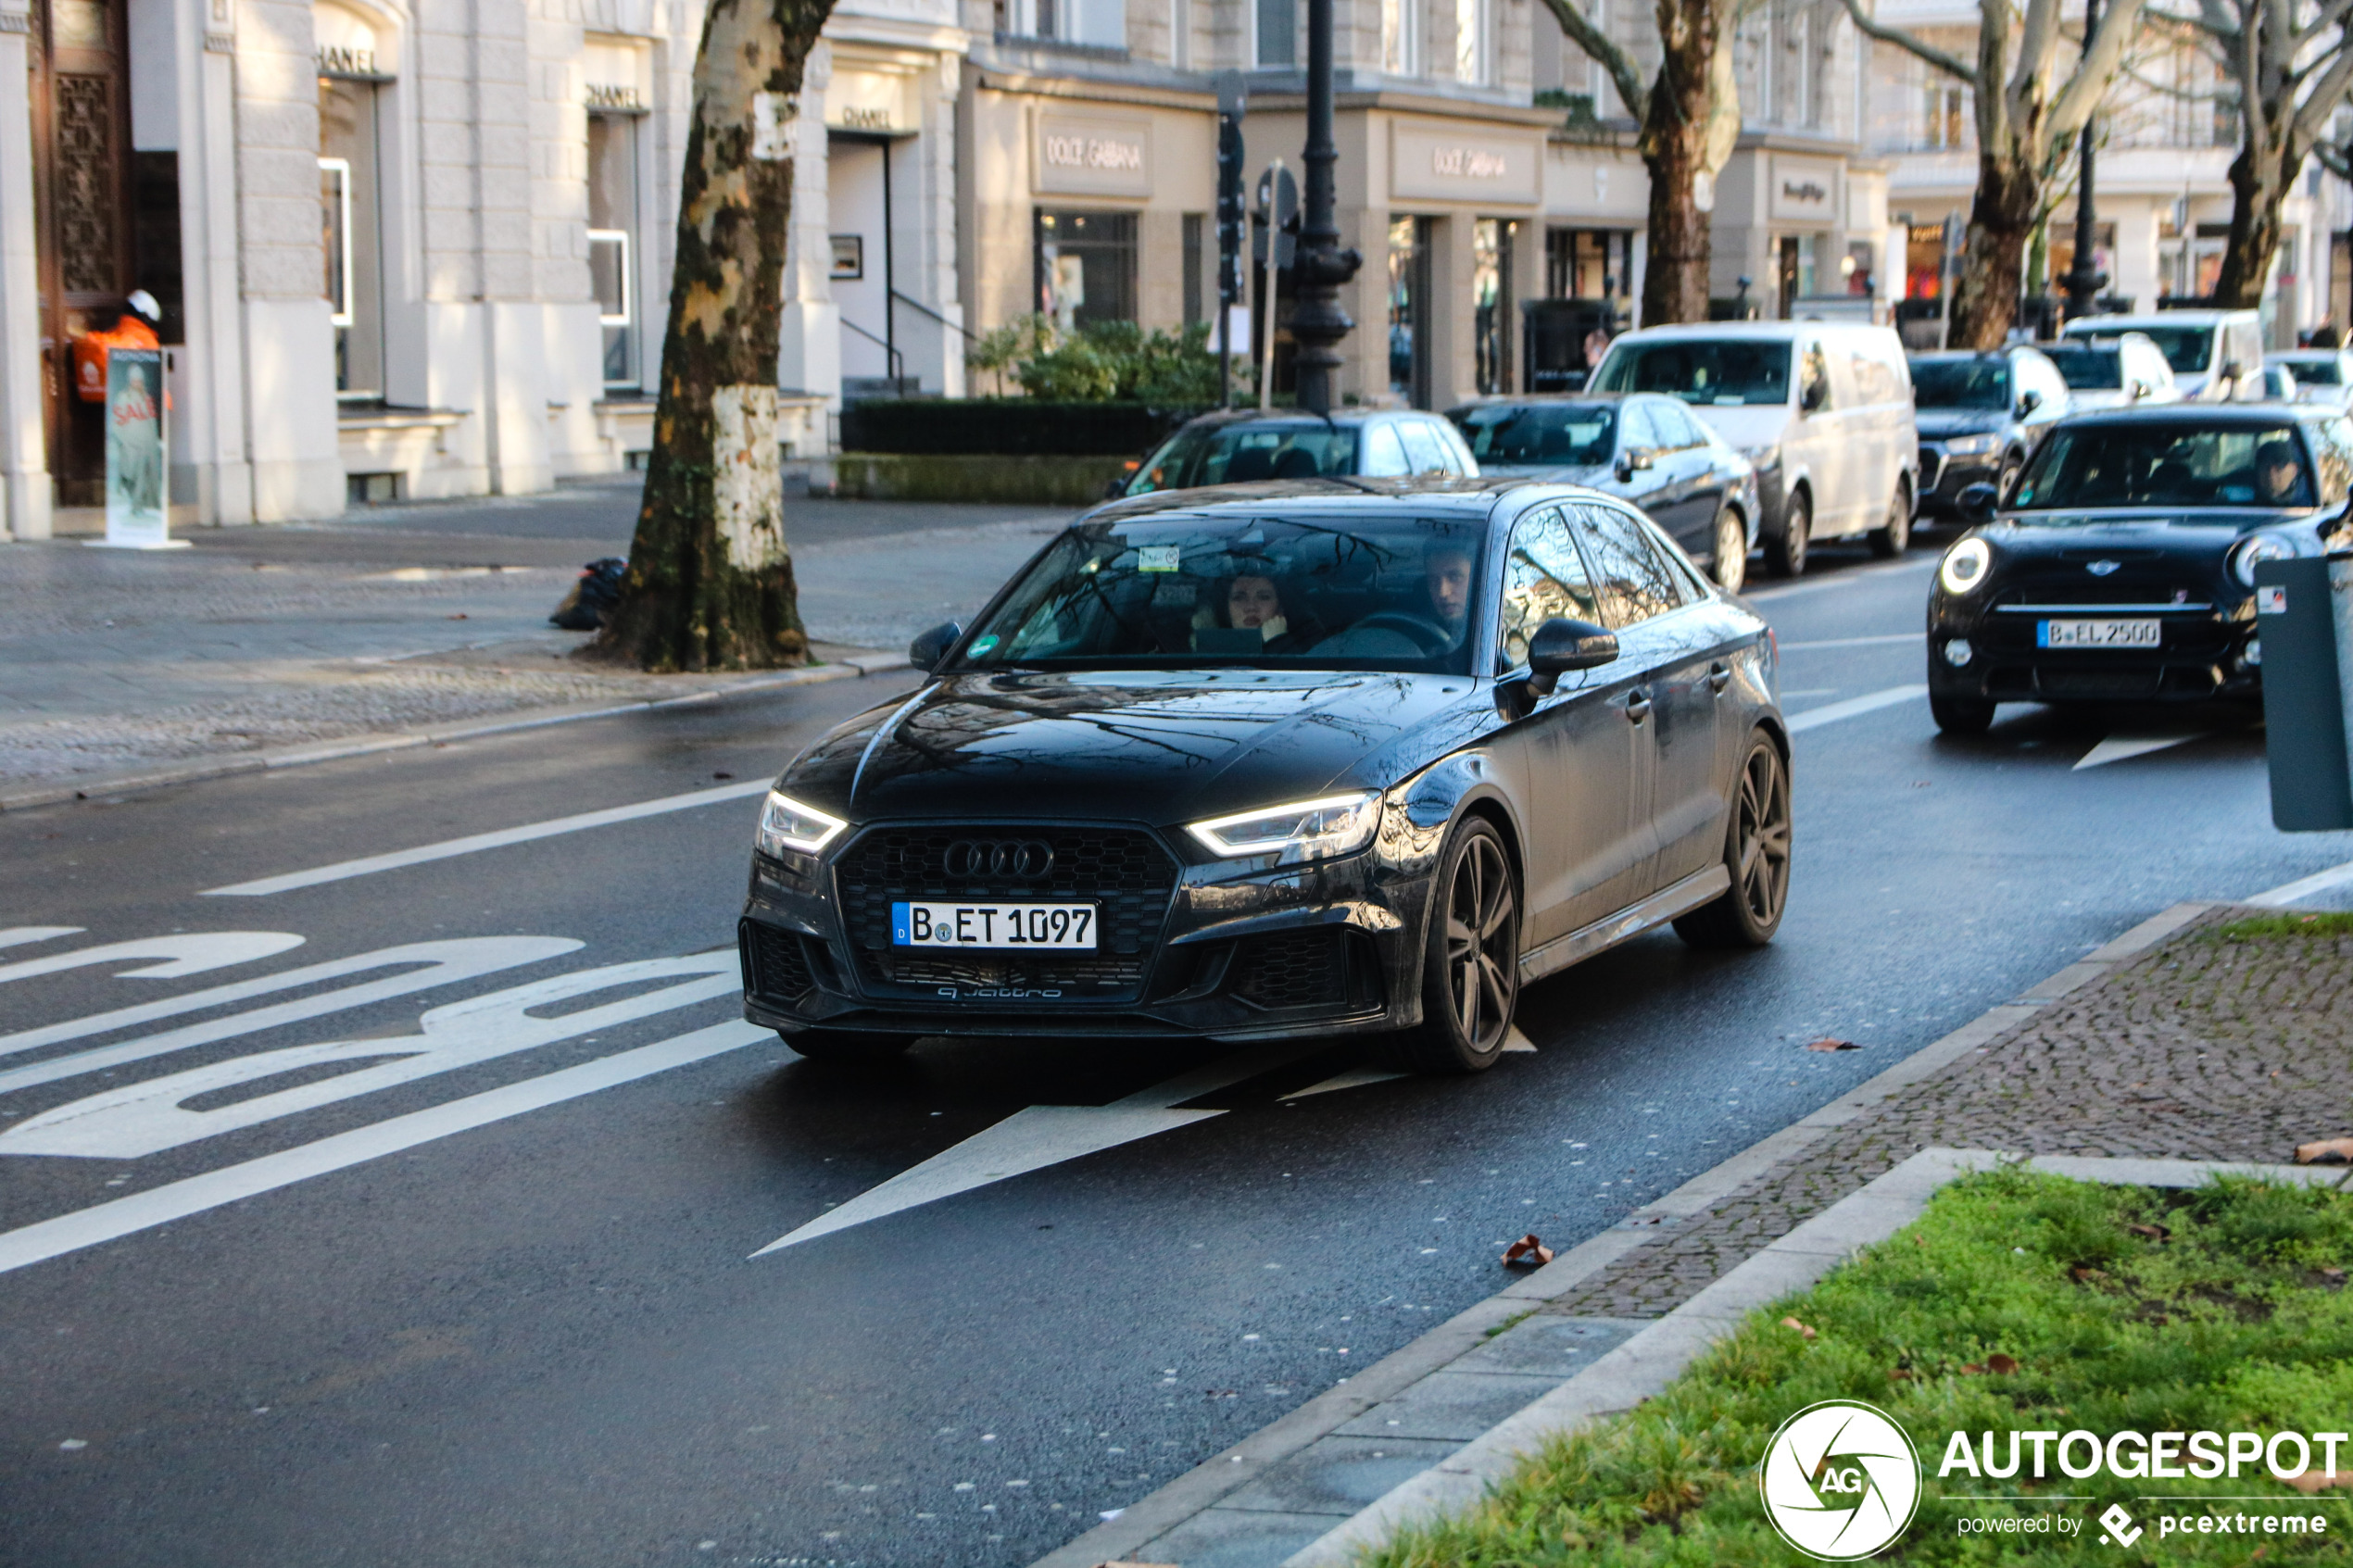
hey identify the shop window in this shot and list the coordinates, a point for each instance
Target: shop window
(1400, 40)
(1086, 266)
(350, 233)
(1470, 41)
(1409, 305)
(612, 242)
(1587, 263)
(1491, 302)
(1278, 33)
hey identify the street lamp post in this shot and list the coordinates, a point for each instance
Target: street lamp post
(1317, 322)
(2083, 281)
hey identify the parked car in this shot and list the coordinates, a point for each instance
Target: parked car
(2119, 371)
(1254, 764)
(1238, 446)
(2322, 375)
(2278, 384)
(2214, 353)
(1981, 416)
(1823, 410)
(1641, 448)
(2120, 566)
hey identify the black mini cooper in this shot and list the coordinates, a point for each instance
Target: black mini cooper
(1282, 761)
(2120, 566)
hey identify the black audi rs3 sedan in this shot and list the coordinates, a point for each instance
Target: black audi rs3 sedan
(2119, 567)
(1283, 760)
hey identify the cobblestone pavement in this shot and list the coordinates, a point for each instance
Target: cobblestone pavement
(2200, 1049)
(403, 617)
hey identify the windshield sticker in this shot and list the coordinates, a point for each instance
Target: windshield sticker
(1157, 557)
(983, 647)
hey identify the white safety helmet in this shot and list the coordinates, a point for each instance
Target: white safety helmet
(144, 304)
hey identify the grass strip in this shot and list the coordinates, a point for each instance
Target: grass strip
(2257, 928)
(2221, 1309)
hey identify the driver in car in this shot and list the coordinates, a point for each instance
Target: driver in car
(1447, 569)
(2278, 474)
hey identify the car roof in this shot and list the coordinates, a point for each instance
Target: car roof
(1290, 417)
(1468, 498)
(1549, 398)
(2211, 416)
(1955, 356)
(2083, 324)
(2304, 356)
(1762, 331)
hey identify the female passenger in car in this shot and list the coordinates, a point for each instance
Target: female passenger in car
(1255, 604)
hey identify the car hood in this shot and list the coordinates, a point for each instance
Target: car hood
(1159, 746)
(1600, 476)
(2181, 530)
(2082, 397)
(1942, 424)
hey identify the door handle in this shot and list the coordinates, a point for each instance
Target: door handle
(1719, 675)
(1637, 705)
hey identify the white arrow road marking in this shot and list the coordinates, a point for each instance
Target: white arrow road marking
(1355, 1078)
(191, 953)
(178, 1201)
(441, 963)
(2116, 749)
(1831, 713)
(1515, 1041)
(1046, 1135)
(472, 843)
(17, 936)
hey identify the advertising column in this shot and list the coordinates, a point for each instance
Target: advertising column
(138, 514)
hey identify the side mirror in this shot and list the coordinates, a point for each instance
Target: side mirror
(1562, 645)
(1812, 396)
(1630, 461)
(2028, 401)
(929, 649)
(1976, 502)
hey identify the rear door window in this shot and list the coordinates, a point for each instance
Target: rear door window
(1635, 581)
(1813, 378)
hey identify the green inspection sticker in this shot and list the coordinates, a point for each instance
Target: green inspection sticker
(981, 646)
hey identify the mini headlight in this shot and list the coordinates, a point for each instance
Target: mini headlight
(2248, 552)
(1304, 830)
(787, 826)
(1964, 566)
(1971, 446)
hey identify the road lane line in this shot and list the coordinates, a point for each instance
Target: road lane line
(2119, 748)
(179, 1200)
(474, 843)
(190, 953)
(17, 935)
(2303, 887)
(1854, 706)
(1855, 642)
(1845, 580)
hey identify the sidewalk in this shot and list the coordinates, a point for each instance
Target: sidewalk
(2170, 1043)
(404, 618)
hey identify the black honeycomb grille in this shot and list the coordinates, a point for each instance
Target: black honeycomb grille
(775, 962)
(1293, 969)
(1123, 872)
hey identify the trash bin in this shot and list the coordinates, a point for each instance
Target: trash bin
(2303, 622)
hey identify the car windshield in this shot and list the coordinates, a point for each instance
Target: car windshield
(1720, 372)
(2165, 465)
(2087, 370)
(2185, 348)
(1236, 454)
(2315, 372)
(1317, 592)
(1571, 434)
(1980, 382)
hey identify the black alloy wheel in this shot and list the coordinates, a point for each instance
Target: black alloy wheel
(1728, 563)
(1470, 964)
(1960, 715)
(1785, 552)
(1757, 846)
(847, 1047)
(1893, 538)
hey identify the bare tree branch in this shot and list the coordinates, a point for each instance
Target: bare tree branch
(1902, 40)
(2103, 54)
(1604, 50)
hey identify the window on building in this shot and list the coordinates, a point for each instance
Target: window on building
(1086, 266)
(350, 232)
(612, 242)
(1409, 303)
(1180, 33)
(1587, 263)
(1944, 120)
(1470, 41)
(1793, 68)
(1400, 47)
(1277, 34)
(2226, 113)
(1492, 309)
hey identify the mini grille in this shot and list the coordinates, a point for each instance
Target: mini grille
(778, 962)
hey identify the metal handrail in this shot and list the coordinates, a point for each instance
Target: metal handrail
(934, 315)
(897, 361)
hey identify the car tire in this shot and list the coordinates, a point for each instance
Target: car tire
(1471, 959)
(1960, 715)
(847, 1047)
(1785, 552)
(1727, 561)
(1756, 855)
(1893, 538)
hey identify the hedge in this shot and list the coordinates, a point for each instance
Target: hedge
(1006, 427)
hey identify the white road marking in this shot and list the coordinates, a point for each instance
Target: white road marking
(474, 842)
(1042, 1135)
(191, 953)
(2296, 892)
(1920, 637)
(1844, 579)
(443, 964)
(1355, 1078)
(2116, 749)
(1854, 706)
(1515, 1041)
(178, 1201)
(17, 935)
(130, 1120)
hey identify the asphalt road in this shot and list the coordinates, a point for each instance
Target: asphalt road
(502, 1307)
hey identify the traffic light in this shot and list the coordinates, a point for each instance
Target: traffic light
(1230, 214)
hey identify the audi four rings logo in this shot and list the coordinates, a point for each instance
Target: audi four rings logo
(1028, 859)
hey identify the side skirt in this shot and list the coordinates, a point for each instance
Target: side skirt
(1681, 899)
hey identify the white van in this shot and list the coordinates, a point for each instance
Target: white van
(2217, 354)
(1823, 409)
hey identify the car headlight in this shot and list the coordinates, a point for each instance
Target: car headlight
(2248, 552)
(1304, 830)
(1971, 446)
(1964, 566)
(788, 827)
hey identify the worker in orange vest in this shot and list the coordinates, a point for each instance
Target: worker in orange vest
(135, 328)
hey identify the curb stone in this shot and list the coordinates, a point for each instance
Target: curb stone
(1194, 1495)
(201, 769)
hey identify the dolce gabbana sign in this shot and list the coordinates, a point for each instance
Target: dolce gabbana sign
(1803, 190)
(1437, 165)
(1094, 157)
